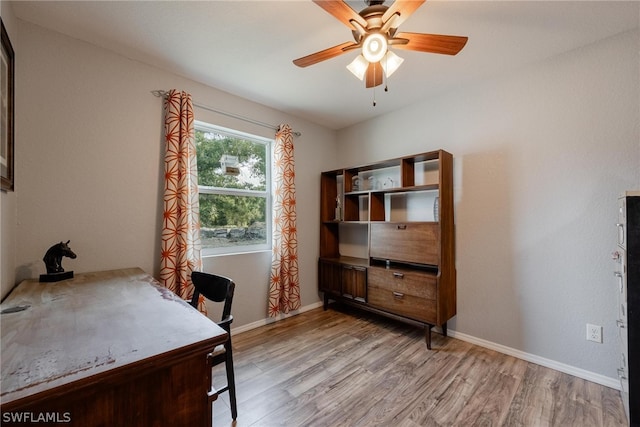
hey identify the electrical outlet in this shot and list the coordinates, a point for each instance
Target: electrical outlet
(594, 333)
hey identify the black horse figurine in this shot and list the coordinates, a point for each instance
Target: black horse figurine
(53, 258)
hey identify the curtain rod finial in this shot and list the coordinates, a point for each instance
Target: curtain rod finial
(159, 93)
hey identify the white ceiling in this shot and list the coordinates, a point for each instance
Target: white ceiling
(246, 47)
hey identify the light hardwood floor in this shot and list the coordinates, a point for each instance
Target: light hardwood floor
(350, 368)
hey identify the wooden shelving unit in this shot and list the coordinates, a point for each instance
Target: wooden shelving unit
(387, 239)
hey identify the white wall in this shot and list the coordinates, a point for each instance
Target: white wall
(8, 200)
(89, 163)
(541, 156)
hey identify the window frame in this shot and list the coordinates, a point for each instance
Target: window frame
(266, 193)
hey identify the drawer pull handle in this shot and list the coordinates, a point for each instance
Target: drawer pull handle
(621, 233)
(398, 295)
(621, 374)
(402, 226)
(398, 275)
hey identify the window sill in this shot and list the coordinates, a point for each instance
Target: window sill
(245, 252)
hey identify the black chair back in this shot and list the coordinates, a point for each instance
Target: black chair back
(215, 288)
(219, 289)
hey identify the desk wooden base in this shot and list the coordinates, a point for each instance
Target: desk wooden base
(164, 392)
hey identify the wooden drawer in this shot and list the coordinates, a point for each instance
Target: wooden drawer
(407, 242)
(406, 293)
(416, 283)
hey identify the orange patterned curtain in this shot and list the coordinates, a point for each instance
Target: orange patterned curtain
(181, 218)
(284, 286)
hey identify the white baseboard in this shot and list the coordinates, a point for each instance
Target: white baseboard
(270, 320)
(613, 383)
(547, 363)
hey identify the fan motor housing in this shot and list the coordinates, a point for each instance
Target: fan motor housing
(373, 16)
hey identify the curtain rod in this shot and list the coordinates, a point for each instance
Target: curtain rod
(163, 93)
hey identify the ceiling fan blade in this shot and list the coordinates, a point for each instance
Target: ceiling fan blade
(341, 11)
(374, 74)
(323, 55)
(432, 43)
(404, 8)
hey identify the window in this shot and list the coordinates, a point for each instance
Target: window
(234, 186)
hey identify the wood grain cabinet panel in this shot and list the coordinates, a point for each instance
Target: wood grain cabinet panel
(354, 282)
(405, 242)
(330, 277)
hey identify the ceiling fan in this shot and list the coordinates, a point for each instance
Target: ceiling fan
(375, 29)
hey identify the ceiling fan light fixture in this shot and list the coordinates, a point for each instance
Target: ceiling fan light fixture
(390, 63)
(374, 47)
(375, 30)
(358, 67)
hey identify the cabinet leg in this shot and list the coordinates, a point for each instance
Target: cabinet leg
(427, 333)
(444, 329)
(325, 305)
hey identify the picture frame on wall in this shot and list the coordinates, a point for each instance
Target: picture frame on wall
(6, 112)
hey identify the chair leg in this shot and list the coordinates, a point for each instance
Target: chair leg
(231, 382)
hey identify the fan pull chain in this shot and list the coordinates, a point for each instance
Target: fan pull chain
(374, 88)
(386, 78)
(374, 96)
